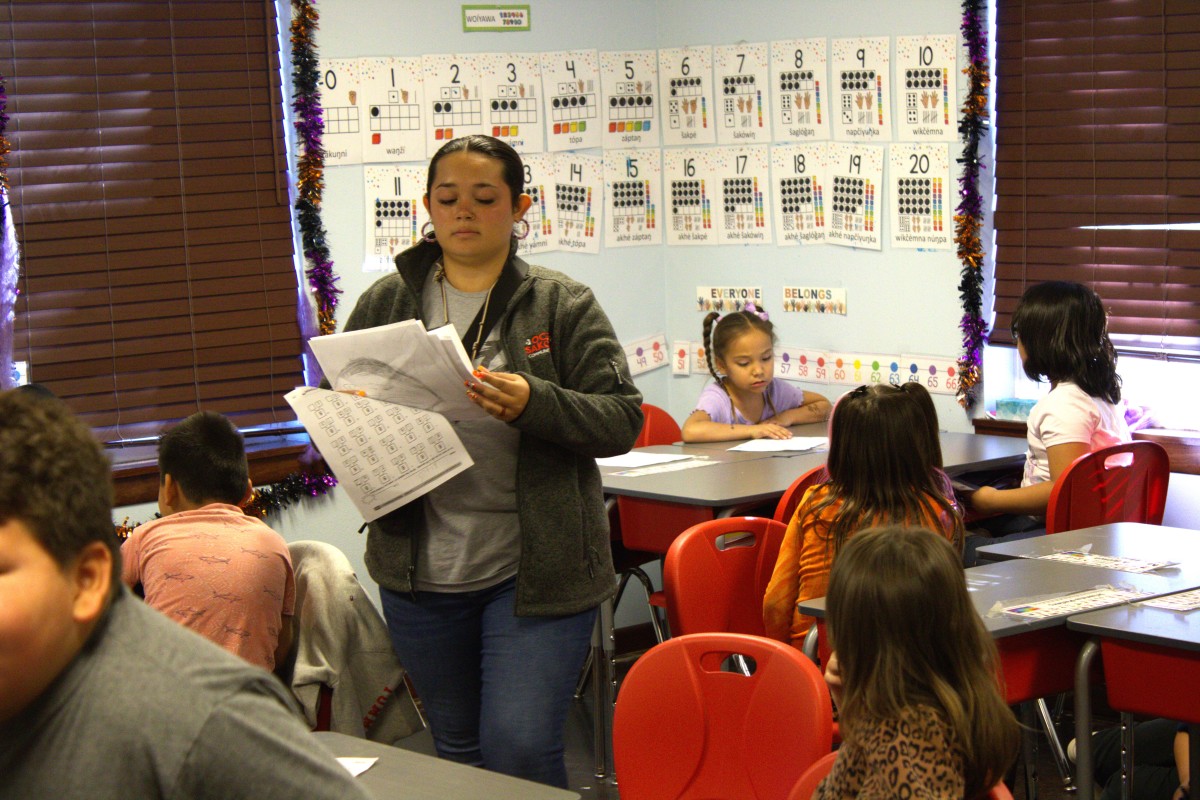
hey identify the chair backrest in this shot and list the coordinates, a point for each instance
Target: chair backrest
(1122, 483)
(687, 726)
(716, 573)
(786, 508)
(658, 427)
(804, 788)
(650, 525)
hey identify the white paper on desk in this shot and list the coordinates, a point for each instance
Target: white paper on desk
(1064, 605)
(1183, 601)
(1118, 563)
(384, 455)
(633, 459)
(401, 363)
(355, 765)
(798, 443)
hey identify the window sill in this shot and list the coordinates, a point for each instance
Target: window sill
(135, 469)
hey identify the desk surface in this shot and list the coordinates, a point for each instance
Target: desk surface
(737, 478)
(1122, 539)
(1138, 622)
(401, 774)
(1010, 582)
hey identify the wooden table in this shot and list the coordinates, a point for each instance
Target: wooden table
(401, 774)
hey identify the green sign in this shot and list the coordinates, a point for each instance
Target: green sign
(496, 18)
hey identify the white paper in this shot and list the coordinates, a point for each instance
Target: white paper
(356, 765)
(798, 443)
(401, 363)
(634, 459)
(672, 466)
(1106, 562)
(1067, 604)
(383, 455)
(1184, 601)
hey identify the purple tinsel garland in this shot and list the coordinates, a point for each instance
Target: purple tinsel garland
(9, 255)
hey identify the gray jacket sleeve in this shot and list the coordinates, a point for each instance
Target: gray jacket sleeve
(587, 403)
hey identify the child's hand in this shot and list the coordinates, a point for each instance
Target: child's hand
(982, 500)
(833, 678)
(769, 430)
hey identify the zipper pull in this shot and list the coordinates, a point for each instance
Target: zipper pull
(617, 370)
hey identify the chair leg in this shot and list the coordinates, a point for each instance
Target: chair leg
(1056, 748)
(585, 673)
(1029, 748)
(644, 579)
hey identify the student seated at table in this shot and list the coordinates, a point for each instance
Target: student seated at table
(1160, 761)
(204, 563)
(913, 674)
(744, 401)
(884, 467)
(1062, 335)
(100, 696)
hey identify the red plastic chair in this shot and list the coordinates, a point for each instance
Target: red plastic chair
(795, 493)
(688, 727)
(804, 788)
(716, 574)
(1121, 483)
(648, 526)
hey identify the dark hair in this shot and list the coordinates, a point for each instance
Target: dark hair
(510, 162)
(735, 324)
(1064, 330)
(906, 633)
(205, 455)
(54, 478)
(884, 465)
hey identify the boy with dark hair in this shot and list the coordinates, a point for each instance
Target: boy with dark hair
(205, 563)
(100, 696)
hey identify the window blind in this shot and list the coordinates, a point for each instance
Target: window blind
(150, 194)
(1097, 127)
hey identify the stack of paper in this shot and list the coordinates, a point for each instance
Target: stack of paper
(401, 363)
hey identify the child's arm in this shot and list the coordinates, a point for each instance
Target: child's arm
(699, 427)
(1031, 499)
(1182, 765)
(815, 409)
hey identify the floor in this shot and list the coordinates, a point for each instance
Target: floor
(581, 762)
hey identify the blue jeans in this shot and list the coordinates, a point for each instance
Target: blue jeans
(495, 687)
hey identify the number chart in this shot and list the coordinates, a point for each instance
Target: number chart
(800, 188)
(630, 83)
(741, 79)
(512, 100)
(392, 94)
(796, 364)
(926, 80)
(453, 94)
(855, 175)
(633, 191)
(743, 176)
(539, 177)
(800, 90)
(578, 209)
(572, 81)
(396, 214)
(920, 180)
(689, 179)
(862, 89)
(647, 354)
(685, 86)
(939, 374)
(338, 80)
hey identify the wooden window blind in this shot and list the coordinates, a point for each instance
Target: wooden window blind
(149, 188)
(1098, 124)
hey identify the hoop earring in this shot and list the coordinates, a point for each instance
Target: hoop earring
(524, 232)
(428, 234)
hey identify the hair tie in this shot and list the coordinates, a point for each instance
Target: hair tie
(750, 308)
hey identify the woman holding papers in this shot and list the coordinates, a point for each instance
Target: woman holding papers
(490, 582)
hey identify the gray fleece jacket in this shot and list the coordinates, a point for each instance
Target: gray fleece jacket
(582, 406)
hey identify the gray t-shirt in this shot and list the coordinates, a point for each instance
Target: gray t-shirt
(149, 709)
(473, 535)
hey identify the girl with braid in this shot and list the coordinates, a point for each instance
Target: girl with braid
(745, 401)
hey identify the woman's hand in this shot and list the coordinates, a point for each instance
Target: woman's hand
(504, 395)
(768, 430)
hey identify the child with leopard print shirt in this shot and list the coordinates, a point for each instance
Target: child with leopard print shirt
(912, 673)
